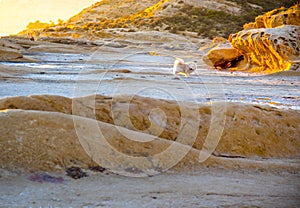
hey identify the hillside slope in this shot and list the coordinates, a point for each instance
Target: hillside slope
(204, 17)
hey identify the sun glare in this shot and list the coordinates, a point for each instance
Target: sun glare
(16, 14)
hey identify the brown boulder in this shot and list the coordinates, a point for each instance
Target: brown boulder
(221, 56)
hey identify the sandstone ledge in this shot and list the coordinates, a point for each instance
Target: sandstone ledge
(45, 138)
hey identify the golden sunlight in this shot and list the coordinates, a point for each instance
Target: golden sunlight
(16, 14)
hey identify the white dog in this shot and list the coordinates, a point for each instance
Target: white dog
(183, 68)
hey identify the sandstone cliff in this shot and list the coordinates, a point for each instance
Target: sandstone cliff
(269, 50)
(270, 44)
(276, 17)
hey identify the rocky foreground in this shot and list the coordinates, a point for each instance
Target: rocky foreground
(42, 133)
(255, 162)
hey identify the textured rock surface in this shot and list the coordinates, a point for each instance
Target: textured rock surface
(47, 140)
(34, 140)
(269, 50)
(249, 130)
(10, 51)
(9, 55)
(276, 17)
(41, 141)
(10, 45)
(38, 102)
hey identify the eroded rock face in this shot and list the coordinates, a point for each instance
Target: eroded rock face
(10, 45)
(9, 55)
(270, 44)
(39, 132)
(269, 50)
(276, 17)
(10, 51)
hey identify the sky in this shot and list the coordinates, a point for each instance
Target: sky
(16, 14)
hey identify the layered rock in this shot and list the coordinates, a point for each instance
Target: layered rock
(249, 130)
(43, 135)
(10, 51)
(10, 55)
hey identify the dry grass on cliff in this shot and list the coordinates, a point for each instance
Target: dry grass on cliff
(174, 16)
